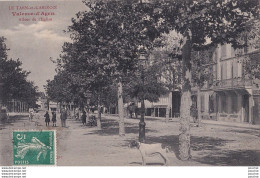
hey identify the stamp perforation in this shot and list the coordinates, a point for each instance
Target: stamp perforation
(36, 145)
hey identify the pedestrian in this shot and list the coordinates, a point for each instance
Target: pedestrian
(37, 117)
(76, 114)
(194, 113)
(54, 119)
(84, 118)
(3, 117)
(31, 114)
(47, 118)
(63, 117)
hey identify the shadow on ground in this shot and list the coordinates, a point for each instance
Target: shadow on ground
(111, 127)
(170, 141)
(11, 120)
(17, 118)
(255, 132)
(153, 119)
(231, 158)
(147, 164)
(207, 143)
(205, 150)
(210, 144)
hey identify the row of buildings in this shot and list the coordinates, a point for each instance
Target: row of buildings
(232, 95)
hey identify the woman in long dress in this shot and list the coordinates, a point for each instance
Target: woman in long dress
(54, 119)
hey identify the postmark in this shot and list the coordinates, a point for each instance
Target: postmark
(34, 147)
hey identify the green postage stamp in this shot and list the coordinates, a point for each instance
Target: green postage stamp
(34, 148)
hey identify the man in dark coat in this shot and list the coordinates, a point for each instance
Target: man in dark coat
(47, 118)
(84, 118)
(3, 116)
(63, 117)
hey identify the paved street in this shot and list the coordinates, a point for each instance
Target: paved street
(84, 146)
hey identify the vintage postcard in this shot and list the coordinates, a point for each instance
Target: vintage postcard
(130, 83)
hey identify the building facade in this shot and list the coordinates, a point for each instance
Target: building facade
(167, 104)
(16, 106)
(232, 94)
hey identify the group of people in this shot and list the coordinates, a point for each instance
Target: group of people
(83, 117)
(48, 118)
(63, 117)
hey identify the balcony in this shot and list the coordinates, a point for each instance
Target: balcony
(233, 83)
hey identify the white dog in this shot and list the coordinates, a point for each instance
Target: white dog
(148, 150)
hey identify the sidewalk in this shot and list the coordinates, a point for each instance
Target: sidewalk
(211, 122)
(231, 124)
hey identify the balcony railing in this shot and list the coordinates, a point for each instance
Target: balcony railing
(232, 83)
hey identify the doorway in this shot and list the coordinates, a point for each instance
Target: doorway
(246, 107)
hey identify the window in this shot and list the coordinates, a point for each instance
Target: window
(211, 103)
(223, 71)
(202, 103)
(211, 75)
(214, 72)
(239, 69)
(228, 69)
(223, 103)
(235, 69)
(232, 70)
(223, 51)
(233, 52)
(216, 55)
(234, 100)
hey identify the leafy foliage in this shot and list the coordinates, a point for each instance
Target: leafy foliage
(202, 67)
(145, 84)
(14, 79)
(211, 22)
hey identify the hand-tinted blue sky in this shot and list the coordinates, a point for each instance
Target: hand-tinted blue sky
(35, 42)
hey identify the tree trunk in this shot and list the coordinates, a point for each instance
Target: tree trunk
(60, 107)
(167, 114)
(168, 109)
(88, 115)
(199, 106)
(121, 109)
(99, 114)
(198, 97)
(184, 137)
(142, 123)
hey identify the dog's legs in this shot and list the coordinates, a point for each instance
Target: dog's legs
(144, 162)
(143, 158)
(163, 155)
(166, 161)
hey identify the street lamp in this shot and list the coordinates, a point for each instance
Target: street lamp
(143, 59)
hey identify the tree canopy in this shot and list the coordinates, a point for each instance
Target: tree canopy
(14, 79)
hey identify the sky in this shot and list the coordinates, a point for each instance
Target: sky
(35, 42)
